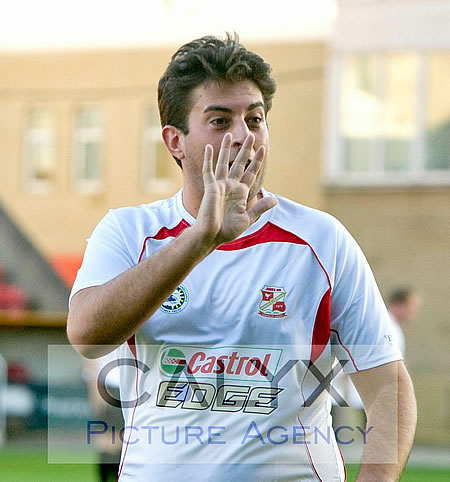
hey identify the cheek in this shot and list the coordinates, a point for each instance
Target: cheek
(262, 139)
(194, 149)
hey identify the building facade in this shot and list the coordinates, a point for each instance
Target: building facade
(386, 169)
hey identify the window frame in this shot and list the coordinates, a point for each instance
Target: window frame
(82, 135)
(333, 173)
(31, 183)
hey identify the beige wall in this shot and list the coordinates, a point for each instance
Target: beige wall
(405, 235)
(295, 122)
(123, 84)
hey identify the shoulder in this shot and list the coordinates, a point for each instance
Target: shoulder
(328, 239)
(307, 222)
(146, 218)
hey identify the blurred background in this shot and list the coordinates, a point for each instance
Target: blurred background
(360, 128)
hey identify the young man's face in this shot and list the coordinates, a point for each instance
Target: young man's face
(217, 109)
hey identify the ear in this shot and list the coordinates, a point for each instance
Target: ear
(174, 140)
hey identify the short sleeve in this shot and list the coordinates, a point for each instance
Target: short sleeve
(106, 255)
(361, 329)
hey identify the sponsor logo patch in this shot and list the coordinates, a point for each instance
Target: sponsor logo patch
(177, 301)
(273, 302)
(172, 361)
(230, 362)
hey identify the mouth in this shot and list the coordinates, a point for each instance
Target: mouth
(245, 167)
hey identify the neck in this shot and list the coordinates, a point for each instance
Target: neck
(191, 202)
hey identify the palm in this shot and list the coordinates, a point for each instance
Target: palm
(224, 213)
(228, 198)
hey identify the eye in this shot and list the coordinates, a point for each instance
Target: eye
(219, 121)
(255, 120)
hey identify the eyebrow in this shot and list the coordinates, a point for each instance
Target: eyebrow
(221, 108)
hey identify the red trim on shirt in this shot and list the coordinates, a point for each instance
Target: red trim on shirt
(345, 348)
(321, 332)
(308, 451)
(269, 233)
(132, 346)
(164, 233)
(343, 463)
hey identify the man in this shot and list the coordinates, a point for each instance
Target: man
(108, 453)
(403, 305)
(233, 302)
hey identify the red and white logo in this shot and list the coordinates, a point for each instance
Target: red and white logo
(232, 362)
(273, 304)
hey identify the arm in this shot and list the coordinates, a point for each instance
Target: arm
(109, 314)
(388, 397)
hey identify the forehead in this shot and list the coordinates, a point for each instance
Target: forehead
(231, 95)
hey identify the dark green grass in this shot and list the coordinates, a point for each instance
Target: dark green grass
(26, 466)
(411, 474)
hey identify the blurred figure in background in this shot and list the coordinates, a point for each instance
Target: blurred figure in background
(403, 305)
(108, 447)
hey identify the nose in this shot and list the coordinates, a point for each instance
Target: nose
(240, 131)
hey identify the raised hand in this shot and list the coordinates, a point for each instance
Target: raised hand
(225, 211)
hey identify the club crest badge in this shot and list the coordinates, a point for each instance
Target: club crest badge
(177, 301)
(273, 302)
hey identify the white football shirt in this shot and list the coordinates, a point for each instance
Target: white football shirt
(227, 379)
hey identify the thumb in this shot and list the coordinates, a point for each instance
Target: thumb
(260, 207)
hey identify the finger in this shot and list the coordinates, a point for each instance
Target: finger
(242, 157)
(224, 157)
(254, 167)
(260, 207)
(208, 175)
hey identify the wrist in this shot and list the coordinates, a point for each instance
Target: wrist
(201, 243)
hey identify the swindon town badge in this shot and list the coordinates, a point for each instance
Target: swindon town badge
(273, 304)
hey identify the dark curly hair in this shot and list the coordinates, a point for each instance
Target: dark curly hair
(208, 59)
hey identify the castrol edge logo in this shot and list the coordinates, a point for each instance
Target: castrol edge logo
(229, 362)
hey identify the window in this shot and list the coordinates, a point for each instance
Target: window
(438, 114)
(393, 119)
(88, 150)
(157, 163)
(39, 150)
